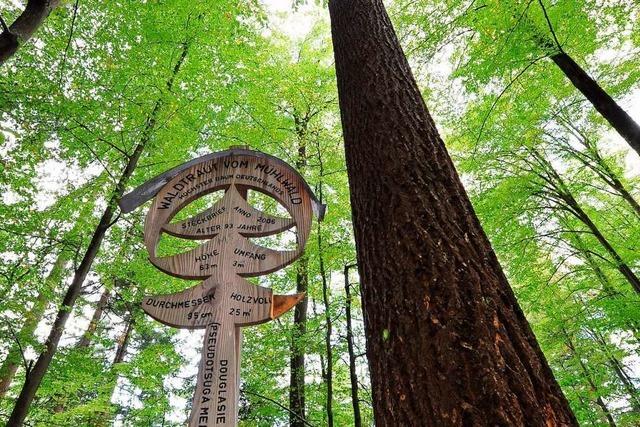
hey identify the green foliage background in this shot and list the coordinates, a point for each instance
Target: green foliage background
(74, 102)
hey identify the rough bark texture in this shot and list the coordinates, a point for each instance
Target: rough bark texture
(601, 100)
(353, 376)
(14, 357)
(25, 25)
(447, 343)
(34, 378)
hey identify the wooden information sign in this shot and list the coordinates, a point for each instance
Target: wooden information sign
(224, 301)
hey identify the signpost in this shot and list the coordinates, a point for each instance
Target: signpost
(224, 301)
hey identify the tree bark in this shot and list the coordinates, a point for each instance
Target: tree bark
(353, 376)
(328, 378)
(33, 380)
(620, 264)
(592, 158)
(297, 411)
(600, 99)
(587, 376)
(85, 340)
(561, 195)
(297, 386)
(25, 25)
(12, 362)
(123, 341)
(447, 342)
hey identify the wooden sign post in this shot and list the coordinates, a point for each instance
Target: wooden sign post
(225, 301)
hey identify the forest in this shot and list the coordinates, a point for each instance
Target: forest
(478, 263)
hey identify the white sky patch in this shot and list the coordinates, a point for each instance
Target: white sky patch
(294, 24)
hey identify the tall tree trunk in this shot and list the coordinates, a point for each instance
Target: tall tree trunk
(620, 264)
(562, 196)
(447, 342)
(296, 387)
(123, 341)
(297, 411)
(105, 419)
(329, 328)
(579, 244)
(587, 376)
(600, 99)
(33, 380)
(328, 374)
(25, 25)
(357, 419)
(592, 159)
(85, 340)
(12, 362)
(618, 368)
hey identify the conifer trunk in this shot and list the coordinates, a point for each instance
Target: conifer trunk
(33, 380)
(353, 376)
(619, 119)
(446, 341)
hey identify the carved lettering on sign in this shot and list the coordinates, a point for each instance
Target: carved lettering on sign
(224, 301)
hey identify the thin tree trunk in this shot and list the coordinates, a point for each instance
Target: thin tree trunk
(561, 193)
(104, 418)
(123, 341)
(33, 380)
(327, 338)
(357, 419)
(296, 388)
(592, 159)
(600, 99)
(625, 194)
(12, 362)
(618, 368)
(25, 25)
(580, 245)
(297, 411)
(622, 266)
(85, 340)
(447, 342)
(587, 376)
(328, 377)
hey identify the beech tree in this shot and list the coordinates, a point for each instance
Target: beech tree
(74, 104)
(24, 26)
(510, 41)
(41, 366)
(447, 342)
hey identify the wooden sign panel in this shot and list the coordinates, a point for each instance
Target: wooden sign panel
(224, 301)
